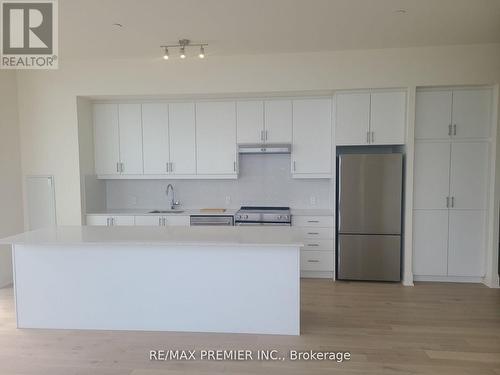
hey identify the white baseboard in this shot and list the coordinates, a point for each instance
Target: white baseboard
(316, 274)
(450, 279)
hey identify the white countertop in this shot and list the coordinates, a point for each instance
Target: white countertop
(146, 212)
(149, 235)
(194, 211)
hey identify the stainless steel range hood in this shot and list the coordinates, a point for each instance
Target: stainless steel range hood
(258, 148)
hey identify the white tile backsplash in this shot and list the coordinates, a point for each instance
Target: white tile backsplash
(263, 180)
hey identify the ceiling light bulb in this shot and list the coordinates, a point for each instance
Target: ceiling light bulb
(165, 55)
(183, 54)
(202, 53)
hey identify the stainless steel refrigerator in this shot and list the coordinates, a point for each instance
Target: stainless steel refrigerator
(369, 201)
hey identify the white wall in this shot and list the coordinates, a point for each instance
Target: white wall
(48, 110)
(263, 180)
(11, 211)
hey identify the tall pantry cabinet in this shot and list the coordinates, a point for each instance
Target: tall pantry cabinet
(452, 159)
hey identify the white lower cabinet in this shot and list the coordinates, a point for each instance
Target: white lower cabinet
(466, 249)
(430, 242)
(113, 220)
(147, 220)
(316, 233)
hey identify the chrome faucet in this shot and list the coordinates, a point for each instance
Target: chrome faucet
(173, 202)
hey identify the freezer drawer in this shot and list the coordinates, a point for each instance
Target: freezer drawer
(370, 193)
(369, 257)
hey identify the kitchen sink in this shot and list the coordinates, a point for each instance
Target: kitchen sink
(166, 212)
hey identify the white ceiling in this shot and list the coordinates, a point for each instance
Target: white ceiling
(270, 26)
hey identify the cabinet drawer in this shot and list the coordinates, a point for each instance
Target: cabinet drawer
(313, 221)
(316, 260)
(316, 233)
(177, 220)
(311, 244)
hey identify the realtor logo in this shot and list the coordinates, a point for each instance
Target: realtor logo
(28, 34)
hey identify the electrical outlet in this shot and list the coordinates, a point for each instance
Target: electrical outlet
(228, 200)
(312, 200)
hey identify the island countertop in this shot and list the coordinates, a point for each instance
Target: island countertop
(145, 235)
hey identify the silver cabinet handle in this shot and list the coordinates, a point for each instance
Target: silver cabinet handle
(294, 166)
(107, 221)
(265, 135)
(449, 130)
(262, 135)
(452, 201)
(122, 167)
(454, 129)
(171, 166)
(315, 233)
(234, 166)
(367, 137)
(312, 244)
(159, 221)
(118, 167)
(164, 221)
(313, 221)
(313, 261)
(373, 136)
(447, 202)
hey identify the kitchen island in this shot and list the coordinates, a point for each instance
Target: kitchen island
(191, 279)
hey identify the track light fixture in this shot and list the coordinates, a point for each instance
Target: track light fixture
(183, 43)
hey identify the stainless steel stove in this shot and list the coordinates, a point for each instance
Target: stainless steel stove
(257, 215)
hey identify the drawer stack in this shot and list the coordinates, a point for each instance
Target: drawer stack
(316, 257)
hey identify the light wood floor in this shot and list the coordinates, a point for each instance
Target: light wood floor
(389, 329)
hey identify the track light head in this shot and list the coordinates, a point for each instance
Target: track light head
(165, 54)
(183, 53)
(202, 53)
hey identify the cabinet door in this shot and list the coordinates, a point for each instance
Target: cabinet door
(151, 220)
(155, 137)
(352, 118)
(100, 220)
(123, 220)
(106, 139)
(469, 175)
(278, 121)
(177, 220)
(433, 114)
(216, 137)
(312, 138)
(182, 128)
(430, 242)
(431, 181)
(250, 121)
(130, 124)
(388, 117)
(472, 113)
(466, 255)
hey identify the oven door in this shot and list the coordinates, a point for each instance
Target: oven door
(242, 223)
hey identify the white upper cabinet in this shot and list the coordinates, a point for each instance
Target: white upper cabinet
(376, 117)
(312, 138)
(453, 114)
(388, 117)
(431, 175)
(155, 138)
(278, 121)
(250, 121)
(182, 129)
(106, 139)
(433, 114)
(471, 114)
(130, 124)
(216, 138)
(469, 175)
(352, 118)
